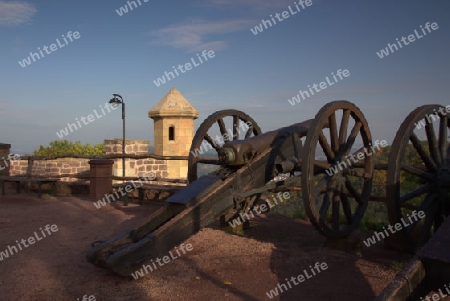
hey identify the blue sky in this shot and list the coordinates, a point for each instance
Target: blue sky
(253, 73)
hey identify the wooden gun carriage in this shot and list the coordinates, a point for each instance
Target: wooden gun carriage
(302, 157)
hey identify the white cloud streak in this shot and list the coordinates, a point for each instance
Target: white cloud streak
(15, 13)
(194, 36)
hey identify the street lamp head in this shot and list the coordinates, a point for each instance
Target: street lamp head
(116, 100)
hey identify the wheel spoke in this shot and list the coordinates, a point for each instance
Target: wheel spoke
(235, 127)
(326, 147)
(418, 171)
(432, 142)
(223, 129)
(322, 164)
(324, 207)
(351, 139)
(295, 141)
(333, 133)
(425, 205)
(415, 193)
(212, 142)
(429, 163)
(352, 190)
(443, 137)
(344, 126)
(249, 132)
(205, 160)
(429, 219)
(359, 151)
(347, 208)
(335, 211)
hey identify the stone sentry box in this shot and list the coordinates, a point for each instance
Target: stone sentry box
(4, 160)
(173, 119)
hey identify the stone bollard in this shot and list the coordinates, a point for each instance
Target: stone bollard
(101, 178)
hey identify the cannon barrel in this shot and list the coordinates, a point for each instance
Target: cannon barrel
(239, 152)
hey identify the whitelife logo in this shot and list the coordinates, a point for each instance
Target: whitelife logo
(151, 176)
(188, 66)
(411, 38)
(398, 226)
(86, 298)
(282, 196)
(91, 118)
(220, 140)
(436, 296)
(431, 117)
(124, 9)
(11, 157)
(71, 36)
(319, 267)
(322, 85)
(166, 259)
(360, 156)
(284, 15)
(31, 240)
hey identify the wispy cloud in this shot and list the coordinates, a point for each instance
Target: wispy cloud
(198, 35)
(15, 13)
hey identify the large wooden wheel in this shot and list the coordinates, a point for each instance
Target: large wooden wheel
(335, 201)
(217, 129)
(419, 174)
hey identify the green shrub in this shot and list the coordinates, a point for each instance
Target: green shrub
(64, 147)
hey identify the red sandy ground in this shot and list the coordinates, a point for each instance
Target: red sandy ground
(221, 266)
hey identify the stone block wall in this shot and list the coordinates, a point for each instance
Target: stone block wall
(135, 167)
(144, 166)
(51, 168)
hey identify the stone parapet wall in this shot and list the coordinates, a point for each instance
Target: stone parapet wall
(144, 166)
(134, 147)
(135, 167)
(51, 168)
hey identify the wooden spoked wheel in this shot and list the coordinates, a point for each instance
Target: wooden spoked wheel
(335, 190)
(217, 129)
(419, 175)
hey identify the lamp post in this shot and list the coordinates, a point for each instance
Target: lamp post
(116, 100)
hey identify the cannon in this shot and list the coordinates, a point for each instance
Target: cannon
(315, 157)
